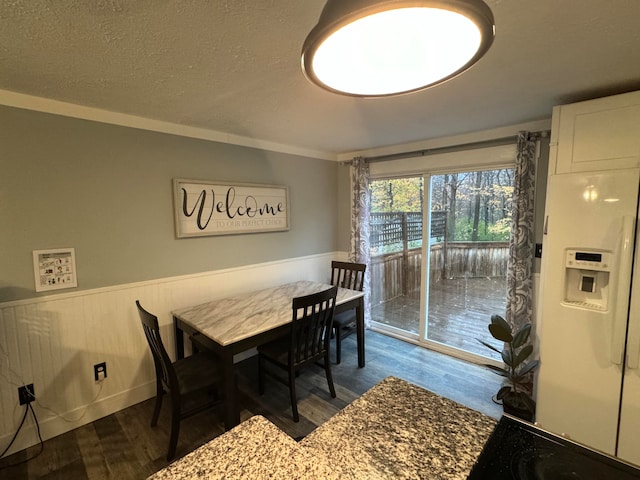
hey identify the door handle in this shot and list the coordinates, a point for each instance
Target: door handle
(634, 349)
(621, 305)
(633, 336)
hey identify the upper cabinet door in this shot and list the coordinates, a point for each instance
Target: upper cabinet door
(601, 134)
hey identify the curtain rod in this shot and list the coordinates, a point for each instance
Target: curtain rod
(496, 142)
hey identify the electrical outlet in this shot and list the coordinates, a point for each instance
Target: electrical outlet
(100, 371)
(26, 394)
(538, 250)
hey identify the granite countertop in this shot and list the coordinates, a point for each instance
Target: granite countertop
(256, 449)
(399, 430)
(395, 430)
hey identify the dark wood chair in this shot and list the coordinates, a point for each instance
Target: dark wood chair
(308, 342)
(346, 275)
(192, 382)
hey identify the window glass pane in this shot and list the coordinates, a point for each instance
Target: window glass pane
(470, 221)
(468, 257)
(396, 252)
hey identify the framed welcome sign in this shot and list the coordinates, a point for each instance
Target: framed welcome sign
(211, 208)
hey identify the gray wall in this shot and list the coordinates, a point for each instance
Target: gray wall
(107, 191)
(344, 208)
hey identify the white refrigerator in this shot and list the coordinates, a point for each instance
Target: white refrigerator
(588, 384)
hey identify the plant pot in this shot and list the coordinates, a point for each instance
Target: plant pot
(521, 413)
(517, 404)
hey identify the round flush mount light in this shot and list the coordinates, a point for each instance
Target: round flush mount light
(371, 48)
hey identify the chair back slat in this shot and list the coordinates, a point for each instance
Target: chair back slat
(311, 325)
(161, 360)
(348, 275)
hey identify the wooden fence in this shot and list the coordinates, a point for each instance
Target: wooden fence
(397, 274)
(403, 227)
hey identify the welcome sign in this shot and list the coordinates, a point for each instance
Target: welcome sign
(209, 208)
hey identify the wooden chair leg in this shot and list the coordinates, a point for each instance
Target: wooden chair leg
(327, 369)
(260, 374)
(175, 429)
(338, 346)
(158, 404)
(292, 392)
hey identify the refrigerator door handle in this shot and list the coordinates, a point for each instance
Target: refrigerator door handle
(633, 335)
(634, 351)
(623, 290)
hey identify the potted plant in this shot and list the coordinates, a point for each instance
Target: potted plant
(515, 393)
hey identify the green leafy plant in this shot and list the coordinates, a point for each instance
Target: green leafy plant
(514, 394)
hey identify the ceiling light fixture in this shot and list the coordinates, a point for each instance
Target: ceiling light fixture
(375, 48)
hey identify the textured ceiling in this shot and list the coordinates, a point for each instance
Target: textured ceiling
(234, 67)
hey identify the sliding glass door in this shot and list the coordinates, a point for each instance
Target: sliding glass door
(439, 247)
(396, 253)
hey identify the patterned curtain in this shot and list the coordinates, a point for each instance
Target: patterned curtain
(521, 243)
(361, 206)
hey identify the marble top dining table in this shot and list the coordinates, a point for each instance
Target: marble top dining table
(234, 324)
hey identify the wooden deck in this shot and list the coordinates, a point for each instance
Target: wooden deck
(459, 311)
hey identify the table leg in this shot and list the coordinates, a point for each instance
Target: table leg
(179, 335)
(360, 331)
(231, 411)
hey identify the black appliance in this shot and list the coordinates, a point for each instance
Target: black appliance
(518, 450)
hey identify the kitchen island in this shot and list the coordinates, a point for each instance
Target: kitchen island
(395, 430)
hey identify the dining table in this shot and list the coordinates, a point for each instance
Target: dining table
(231, 325)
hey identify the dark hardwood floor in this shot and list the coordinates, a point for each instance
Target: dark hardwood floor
(124, 446)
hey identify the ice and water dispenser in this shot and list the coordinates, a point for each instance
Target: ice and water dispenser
(586, 280)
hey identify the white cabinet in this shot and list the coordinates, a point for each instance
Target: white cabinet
(601, 134)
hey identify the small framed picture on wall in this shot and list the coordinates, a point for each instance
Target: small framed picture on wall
(55, 269)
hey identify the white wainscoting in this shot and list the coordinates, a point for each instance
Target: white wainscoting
(53, 342)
